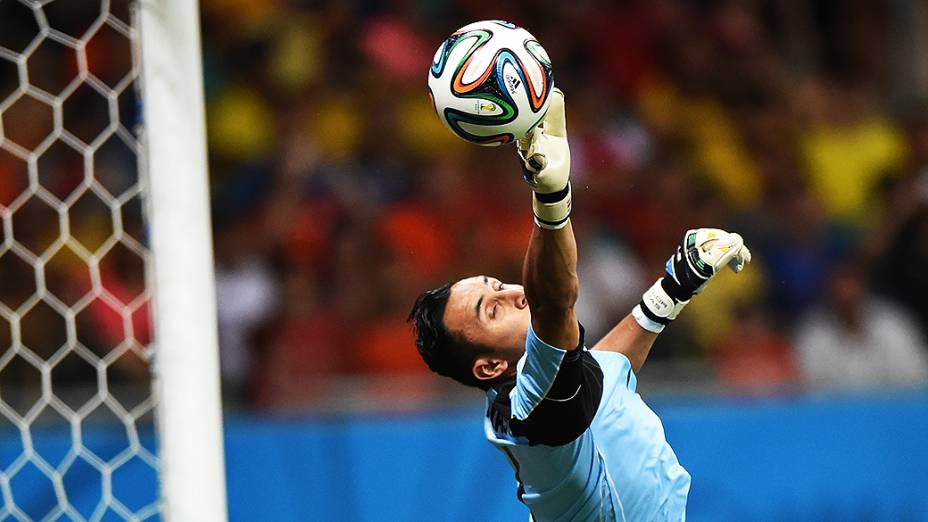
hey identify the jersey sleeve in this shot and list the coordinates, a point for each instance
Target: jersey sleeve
(556, 394)
(617, 370)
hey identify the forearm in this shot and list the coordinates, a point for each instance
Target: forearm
(549, 275)
(629, 339)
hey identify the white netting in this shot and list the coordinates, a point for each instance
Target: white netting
(76, 441)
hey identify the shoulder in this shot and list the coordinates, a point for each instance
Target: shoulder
(617, 368)
(537, 371)
(554, 415)
(611, 359)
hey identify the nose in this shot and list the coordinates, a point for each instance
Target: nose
(515, 294)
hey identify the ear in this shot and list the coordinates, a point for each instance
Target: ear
(488, 368)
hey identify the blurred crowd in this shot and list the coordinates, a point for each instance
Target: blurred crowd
(338, 196)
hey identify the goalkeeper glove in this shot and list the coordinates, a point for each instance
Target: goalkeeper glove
(545, 160)
(702, 254)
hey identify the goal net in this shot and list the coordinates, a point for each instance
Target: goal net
(79, 388)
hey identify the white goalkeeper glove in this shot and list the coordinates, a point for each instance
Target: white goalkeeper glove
(545, 160)
(702, 254)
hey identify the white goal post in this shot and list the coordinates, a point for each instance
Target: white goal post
(186, 356)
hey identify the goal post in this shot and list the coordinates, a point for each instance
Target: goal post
(186, 366)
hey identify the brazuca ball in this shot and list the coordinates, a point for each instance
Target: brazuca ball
(490, 82)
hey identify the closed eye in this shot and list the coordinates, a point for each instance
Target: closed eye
(493, 311)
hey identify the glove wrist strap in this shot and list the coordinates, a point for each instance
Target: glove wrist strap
(645, 322)
(657, 307)
(552, 210)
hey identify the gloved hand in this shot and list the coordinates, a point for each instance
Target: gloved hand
(699, 257)
(545, 160)
(544, 151)
(702, 254)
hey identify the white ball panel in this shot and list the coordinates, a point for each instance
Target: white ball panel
(533, 68)
(478, 65)
(437, 57)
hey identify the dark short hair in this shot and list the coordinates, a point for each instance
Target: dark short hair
(446, 353)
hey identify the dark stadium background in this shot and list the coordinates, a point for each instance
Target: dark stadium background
(337, 197)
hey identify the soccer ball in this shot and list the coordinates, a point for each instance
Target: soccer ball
(490, 82)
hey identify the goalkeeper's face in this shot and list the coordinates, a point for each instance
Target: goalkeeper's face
(490, 313)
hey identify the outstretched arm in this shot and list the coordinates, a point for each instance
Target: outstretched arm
(549, 273)
(559, 385)
(702, 254)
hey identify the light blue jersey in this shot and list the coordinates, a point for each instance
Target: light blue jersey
(583, 444)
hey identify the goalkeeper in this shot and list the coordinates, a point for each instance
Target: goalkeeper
(583, 444)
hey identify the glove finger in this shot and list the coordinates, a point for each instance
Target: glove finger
(741, 260)
(732, 249)
(555, 121)
(721, 249)
(525, 143)
(531, 167)
(536, 163)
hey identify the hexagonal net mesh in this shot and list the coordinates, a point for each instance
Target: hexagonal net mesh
(76, 437)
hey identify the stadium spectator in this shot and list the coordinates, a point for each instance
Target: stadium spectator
(858, 341)
(247, 297)
(900, 245)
